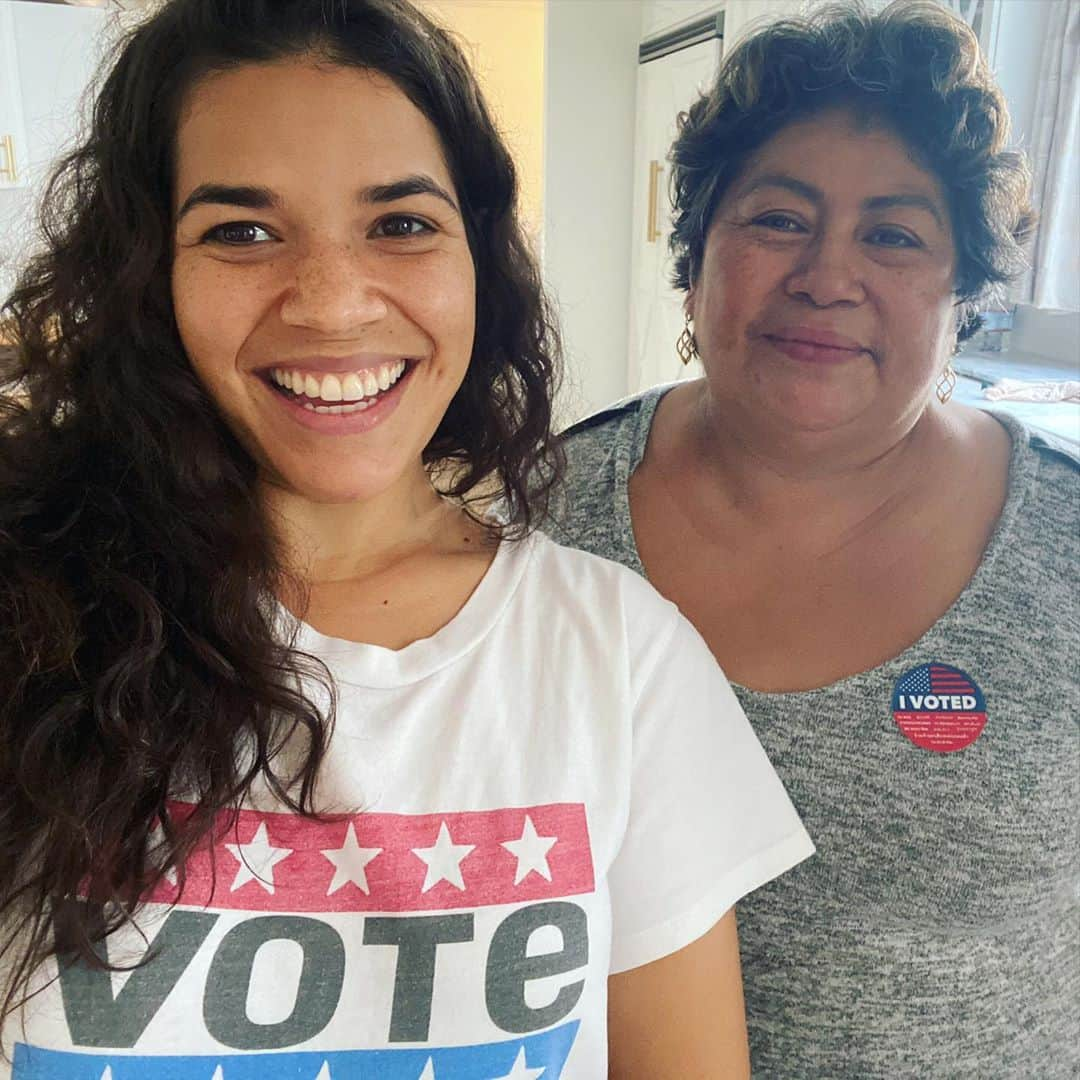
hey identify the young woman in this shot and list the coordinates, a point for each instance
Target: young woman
(307, 768)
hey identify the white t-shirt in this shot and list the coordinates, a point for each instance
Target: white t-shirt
(557, 785)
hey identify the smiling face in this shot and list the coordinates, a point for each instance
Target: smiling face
(322, 280)
(825, 300)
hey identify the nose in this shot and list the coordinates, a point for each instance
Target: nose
(827, 273)
(333, 290)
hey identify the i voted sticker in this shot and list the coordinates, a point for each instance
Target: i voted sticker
(939, 707)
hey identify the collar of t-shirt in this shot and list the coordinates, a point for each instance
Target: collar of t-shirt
(374, 666)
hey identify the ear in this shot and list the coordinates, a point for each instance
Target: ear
(968, 321)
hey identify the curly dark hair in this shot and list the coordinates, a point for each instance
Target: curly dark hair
(915, 69)
(137, 625)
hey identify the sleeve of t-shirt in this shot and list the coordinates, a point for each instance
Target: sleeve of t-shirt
(709, 820)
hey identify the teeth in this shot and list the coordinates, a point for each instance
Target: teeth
(352, 389)
(355, 386)
(337, 410)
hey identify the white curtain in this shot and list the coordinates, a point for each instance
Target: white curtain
(966, 9)
(1054, 279)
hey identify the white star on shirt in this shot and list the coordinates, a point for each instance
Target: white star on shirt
(520, 1070)
(107, 1074)
(443, 860)
(157, 840)
(257, 859)
(349, 861)
(324, 1072)
(531, 851)
(429, 1071)
(218, 1074)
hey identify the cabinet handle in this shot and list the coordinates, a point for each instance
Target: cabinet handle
(7, 169)
(652, 233)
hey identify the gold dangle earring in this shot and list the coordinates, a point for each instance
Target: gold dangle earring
(947, 379)
(946, 383)
(685, 344)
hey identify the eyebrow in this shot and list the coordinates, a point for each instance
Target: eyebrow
(246, 196)
(415, 184)
(816, 196)
(916, 202)
(252, 197)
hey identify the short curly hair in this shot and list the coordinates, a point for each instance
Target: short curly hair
(914, 68)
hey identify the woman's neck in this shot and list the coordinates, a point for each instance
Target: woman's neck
(349, 541)
(776, 477)
(386, 571)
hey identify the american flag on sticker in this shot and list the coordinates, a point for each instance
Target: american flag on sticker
(361, 947)
(939, 707)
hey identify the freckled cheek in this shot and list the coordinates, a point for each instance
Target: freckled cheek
(210, 319)
(214, 315)
(448, 316)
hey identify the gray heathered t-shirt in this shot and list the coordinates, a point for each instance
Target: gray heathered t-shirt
(937, 931)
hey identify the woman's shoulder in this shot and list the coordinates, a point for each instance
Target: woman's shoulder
(1043, 473)
(610, 623)
(1059, 459)
(595, 578)
(589, 505)
(624, 423)
(1035, 547)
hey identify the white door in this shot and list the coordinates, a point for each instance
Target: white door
(48, 56)
(13, 148)
(665, 88)
(57, 49)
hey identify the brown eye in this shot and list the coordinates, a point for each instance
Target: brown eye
(886, 236)
(402, 227)
(238, 234)
(779, 222)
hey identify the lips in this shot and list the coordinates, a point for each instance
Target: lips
(331, 408)
(813, 344)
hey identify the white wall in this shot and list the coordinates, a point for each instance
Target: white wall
(58, 50)
(590, 82)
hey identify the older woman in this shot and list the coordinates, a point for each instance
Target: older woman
(888, 579)
(280, 726)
